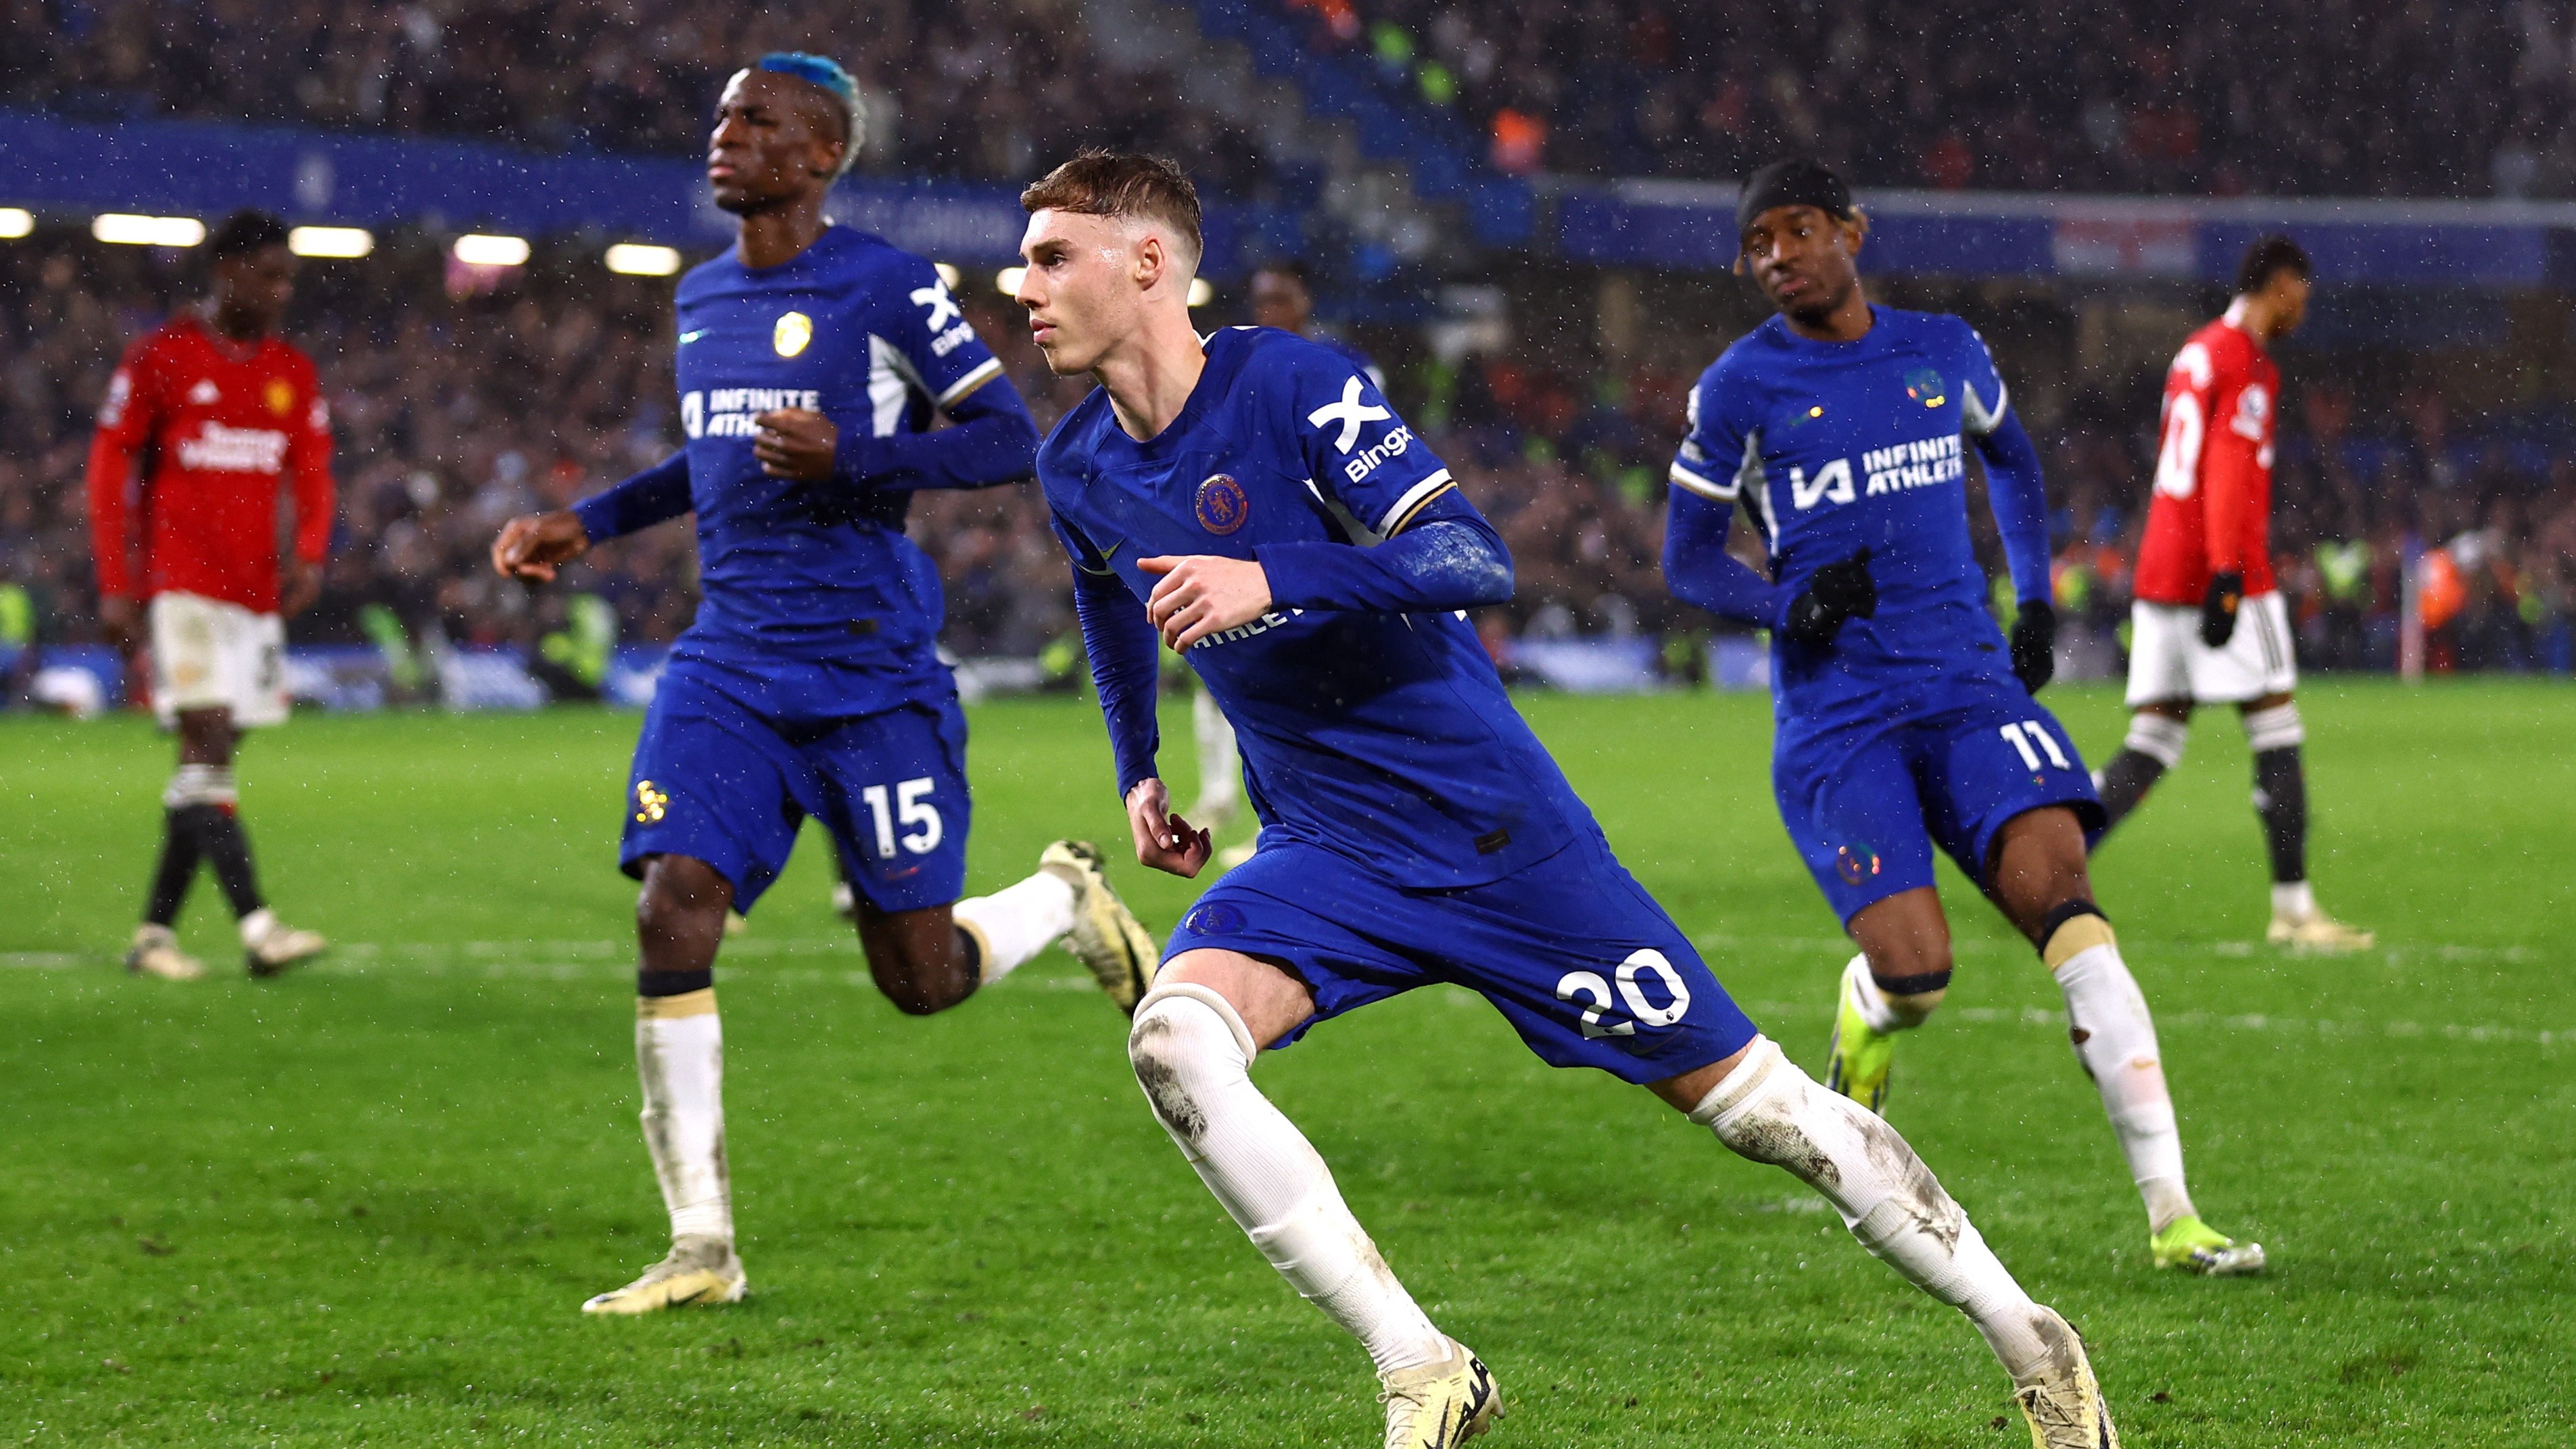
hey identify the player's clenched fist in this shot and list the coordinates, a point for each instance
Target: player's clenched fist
(1834, 593)
(1164, 840)
(796, 443)
(533, 545)
(1202, 594)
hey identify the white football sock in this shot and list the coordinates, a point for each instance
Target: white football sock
(256, 926)
(1883, 1012)
(2115, 1039)
(1770, 1111)
(1194, 1059)
(2295, 901)
(1016, 922)
(679, 1053)
(1220, 765)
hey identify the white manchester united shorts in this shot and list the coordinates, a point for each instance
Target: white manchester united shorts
(211, 654)
(2167, 661)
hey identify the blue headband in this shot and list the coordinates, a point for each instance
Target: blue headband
(816, 69)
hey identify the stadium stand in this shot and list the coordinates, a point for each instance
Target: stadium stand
(2325, 97)
(955, 88)
(2284, 99)
(458, 405)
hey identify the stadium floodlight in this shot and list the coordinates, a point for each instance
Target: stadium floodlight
(1200, 292)
(1008, 280)
(642, 259)
(127, 229)
(947, 274)
(479, 250)
(330, 241)
(16, 222)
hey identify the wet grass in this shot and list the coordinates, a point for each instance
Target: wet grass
(360, 1205)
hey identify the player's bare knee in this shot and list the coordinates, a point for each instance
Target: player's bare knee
(918, 987)
(682, 903)
(1914, 967)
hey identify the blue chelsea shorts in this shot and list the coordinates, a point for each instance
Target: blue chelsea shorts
(729, 785)
(1572, 951)
(1865, 806)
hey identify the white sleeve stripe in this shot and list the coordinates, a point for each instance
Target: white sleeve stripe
(1414, 497)
(970, 381)
(1719, 492)
(1977, 417)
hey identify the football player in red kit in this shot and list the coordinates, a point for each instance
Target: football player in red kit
(205, 420)
(2208, 627)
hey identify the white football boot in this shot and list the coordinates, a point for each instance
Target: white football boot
(156, 952)
(2062, 1400)
(2316, 931)
(273, 945)
(1106, 936)
(700, 1270)
(1440, 1405)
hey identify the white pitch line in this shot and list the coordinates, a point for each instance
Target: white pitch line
(2397, 955)
(2294, 1025)
(608, 961)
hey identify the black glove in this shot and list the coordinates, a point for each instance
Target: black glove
(2218, 609)
(2034, 645)
(1836, 592)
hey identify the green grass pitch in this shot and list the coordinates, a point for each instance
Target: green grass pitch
(360, 1205)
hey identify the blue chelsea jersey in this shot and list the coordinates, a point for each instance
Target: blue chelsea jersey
(811, 586)
(1838, 446)
(1385, 737)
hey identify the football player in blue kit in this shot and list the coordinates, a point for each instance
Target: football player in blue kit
(1279, 296)
(1252, 499)
(811, 359)
(1905, 717)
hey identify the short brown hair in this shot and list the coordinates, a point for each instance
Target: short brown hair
(1121, 183)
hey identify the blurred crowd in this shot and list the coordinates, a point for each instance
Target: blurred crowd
(459, 402)
(956, 88)
(2400, 97)
(2342, 97)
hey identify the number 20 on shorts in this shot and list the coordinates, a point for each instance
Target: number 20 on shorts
(1589, 988)
(923, 828)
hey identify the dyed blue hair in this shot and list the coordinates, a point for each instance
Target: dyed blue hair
(823, 71)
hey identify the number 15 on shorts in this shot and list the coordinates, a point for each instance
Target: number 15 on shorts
(922, 827)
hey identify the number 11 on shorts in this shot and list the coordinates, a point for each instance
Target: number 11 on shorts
(921, 818)
(2021, 735)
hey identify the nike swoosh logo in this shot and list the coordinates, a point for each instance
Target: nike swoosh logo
(688, 337)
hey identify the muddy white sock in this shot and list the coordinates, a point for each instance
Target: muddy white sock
(1194, 1059)
(1770, 1111)
(1016, 922)
(679, 1054)
(2115, 1039)
(2294, 902)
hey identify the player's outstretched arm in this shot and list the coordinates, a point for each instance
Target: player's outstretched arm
(1445, 557)
(535, 545)
(992, 440)
(1699, 570)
